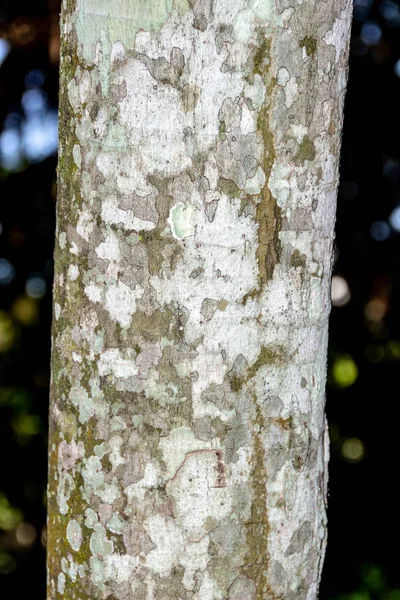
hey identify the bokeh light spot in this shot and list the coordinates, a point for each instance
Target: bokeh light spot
(34, 78)
(391, 169)
(36, 286)
(371, 33)
(361, 9)
(33, 101)
(340, 291)
(374, 353)
(353, 450)
(4, 50)
(10, 149)
(7, 563)
(391, 12)
(7, 272)
(380, 231)
(376, 309)
(25, 534)
(394, 219)
(345, 371)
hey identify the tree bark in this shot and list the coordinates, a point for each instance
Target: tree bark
(198, 169)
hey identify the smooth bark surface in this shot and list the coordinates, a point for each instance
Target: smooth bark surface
(199, 149)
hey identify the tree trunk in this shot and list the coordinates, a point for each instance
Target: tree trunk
(199, 150)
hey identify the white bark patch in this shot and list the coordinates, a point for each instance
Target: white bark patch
(338, 35)
(85, 225)
(120, 301)
(116, 524)
(65, 487)
(173, 549)
(200, 491)
(57, 311)
(115, 452)
(113, 215)
(73, 272)
(169, 542)
(243, 27)
(109, 249)
(176, 447)
(299, 131)
(69, 454)
(111, 361)
(119, 567)
(283, 76)
(291, 91)
(151, 479)
(93, 292)
(62, 240)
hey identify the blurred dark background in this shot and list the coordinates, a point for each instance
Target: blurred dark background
(362, 561)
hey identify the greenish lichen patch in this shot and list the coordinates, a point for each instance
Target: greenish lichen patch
(309, 42)
(261, 58)
(306, 151)
(74, 535)
(154, 327)
(297, 259)
(250, 296)
(228, 187)
(267, 356)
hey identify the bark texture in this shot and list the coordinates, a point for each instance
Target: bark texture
(199, 149)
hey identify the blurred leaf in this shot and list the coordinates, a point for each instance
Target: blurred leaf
(10, 517)
(7, 563)
(25, 426)
(373, 577)
(7, 332)
(16, 398)
(393, 350)
(25, 310)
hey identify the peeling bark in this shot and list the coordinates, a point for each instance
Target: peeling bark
(198, 168)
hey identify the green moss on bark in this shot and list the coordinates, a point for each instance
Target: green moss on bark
(309, 42)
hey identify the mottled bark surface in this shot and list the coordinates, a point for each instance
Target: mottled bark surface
(199, 149)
